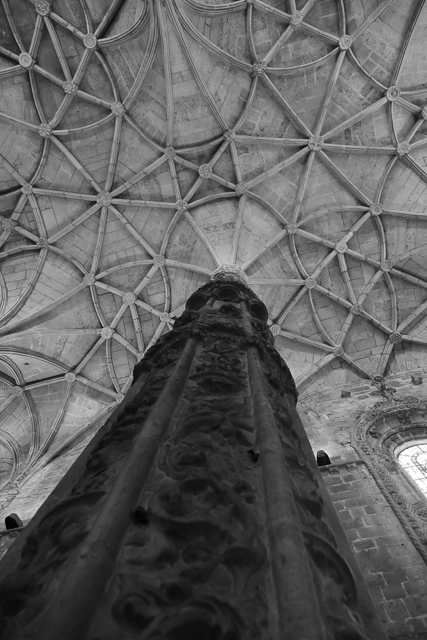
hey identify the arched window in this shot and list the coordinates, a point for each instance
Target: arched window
(391, 439)
(413, 459)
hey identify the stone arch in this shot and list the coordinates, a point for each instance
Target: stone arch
(378, 437)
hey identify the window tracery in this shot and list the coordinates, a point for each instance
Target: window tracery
(413, 460)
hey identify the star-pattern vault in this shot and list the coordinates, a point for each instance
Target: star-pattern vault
(145, 143)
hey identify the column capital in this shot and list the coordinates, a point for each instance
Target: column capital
(231, 272)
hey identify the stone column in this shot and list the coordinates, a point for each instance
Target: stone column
(197, 513)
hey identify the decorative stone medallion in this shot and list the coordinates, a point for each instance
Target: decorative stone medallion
(89, 41)
(104, 198)
(356, 309)
(241, 188)
(69, 87)
(396, 337)
(341, 247)
(229, 272)
(338, 351)
(230, 135)
(42, 242)
(9, 224)
(296, 18)
(292, 228)
(403, 148)
(310, 283)
(376, 209)
(386, 265)
(70, 377)
(17, 391)
(424, 113)
(25, 60)
(107, 332)
(129, 297)
(117, 109)
(42, 7)
(275, 329)
(89, 279)
(45, 130)
(393, 93)
(259, 67)
(165, 317)
(205, 171)
(315, 143)
(169, 153)
(181, 205)
(27, 189)
(345, 42)
(159, 261)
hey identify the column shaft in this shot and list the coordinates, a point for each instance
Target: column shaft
(196, 514)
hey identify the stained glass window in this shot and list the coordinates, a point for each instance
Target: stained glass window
(414, 461)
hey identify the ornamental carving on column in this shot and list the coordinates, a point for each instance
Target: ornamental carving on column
(195, 513)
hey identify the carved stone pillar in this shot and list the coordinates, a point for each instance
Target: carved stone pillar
(197, 513)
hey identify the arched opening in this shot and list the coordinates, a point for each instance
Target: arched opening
(413, 460)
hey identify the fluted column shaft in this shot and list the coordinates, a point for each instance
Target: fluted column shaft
(196, 513)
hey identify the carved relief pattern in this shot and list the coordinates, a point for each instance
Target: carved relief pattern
(375, 440)
(195, 559)
(195, 566)
(47, 551)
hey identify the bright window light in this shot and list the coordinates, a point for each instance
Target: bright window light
(414, 461)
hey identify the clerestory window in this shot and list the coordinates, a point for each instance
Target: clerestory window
(413, 460)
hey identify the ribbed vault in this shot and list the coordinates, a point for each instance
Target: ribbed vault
(145, 143)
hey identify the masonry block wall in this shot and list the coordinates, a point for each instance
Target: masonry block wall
(394, 571)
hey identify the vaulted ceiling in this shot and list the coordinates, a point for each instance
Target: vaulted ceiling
(144, 143)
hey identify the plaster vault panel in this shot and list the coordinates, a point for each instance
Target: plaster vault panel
(145, 143)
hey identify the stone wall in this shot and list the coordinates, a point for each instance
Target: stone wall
(394, 570)
(328, 417)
